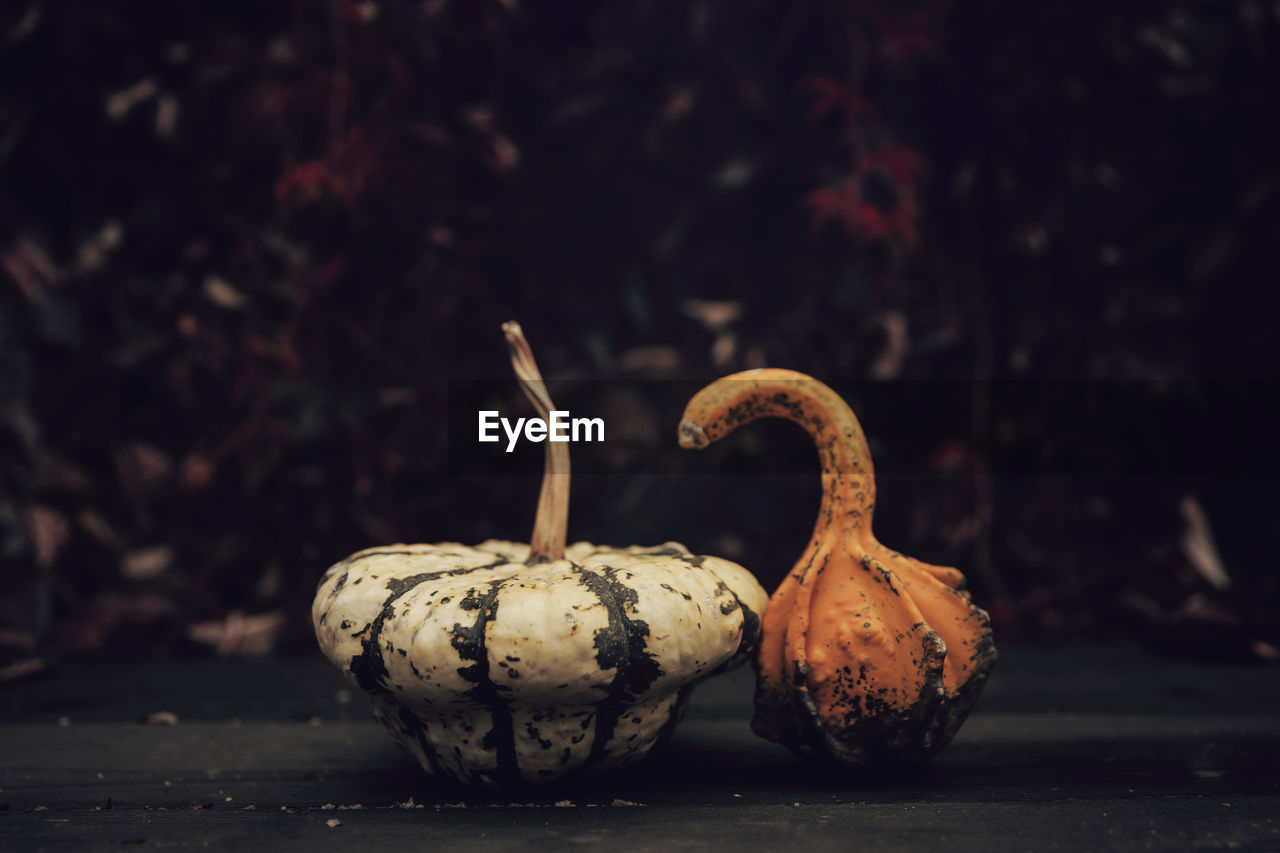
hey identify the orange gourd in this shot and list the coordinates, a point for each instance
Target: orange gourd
(868, 657)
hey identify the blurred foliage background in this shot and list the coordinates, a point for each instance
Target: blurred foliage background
(246, 247)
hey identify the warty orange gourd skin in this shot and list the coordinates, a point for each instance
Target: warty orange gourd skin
(868, 657)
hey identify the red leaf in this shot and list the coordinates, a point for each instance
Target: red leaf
(832, 96)
(838, 202)
(904, 165)
(829, 93)
(860, 218)
(303, 183)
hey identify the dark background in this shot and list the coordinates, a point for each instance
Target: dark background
(251, 252)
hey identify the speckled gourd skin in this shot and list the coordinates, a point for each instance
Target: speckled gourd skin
(868, 657)
(499, 674)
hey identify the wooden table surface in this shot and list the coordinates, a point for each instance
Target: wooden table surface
(1068, 749)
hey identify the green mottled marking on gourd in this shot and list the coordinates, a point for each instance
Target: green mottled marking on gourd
(414, 725)
(368, 667)
(750, 628)
(471, 644)
(673, 718)
(339, 584)
(621, 645)
(364, 555)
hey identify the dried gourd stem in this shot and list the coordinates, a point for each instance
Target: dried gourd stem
(552, 520)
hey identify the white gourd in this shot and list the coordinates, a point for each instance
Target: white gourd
(503, 665)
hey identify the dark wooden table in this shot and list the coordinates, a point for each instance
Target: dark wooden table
(1068, 749)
